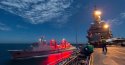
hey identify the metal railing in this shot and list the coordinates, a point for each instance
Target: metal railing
(79, 61)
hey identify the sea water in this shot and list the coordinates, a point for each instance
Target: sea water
(5, 57)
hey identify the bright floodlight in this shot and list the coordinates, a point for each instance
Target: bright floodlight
(98, 13)
(106, 26)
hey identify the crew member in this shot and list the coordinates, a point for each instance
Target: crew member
(104, 47)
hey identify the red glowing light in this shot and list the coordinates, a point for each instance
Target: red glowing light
(53, 44)
(53, 59)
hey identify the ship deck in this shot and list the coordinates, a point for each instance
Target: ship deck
(114, 56)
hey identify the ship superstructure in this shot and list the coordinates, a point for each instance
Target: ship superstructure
(98, 29)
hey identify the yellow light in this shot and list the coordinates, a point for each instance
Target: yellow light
(106, 26)
(98, 13)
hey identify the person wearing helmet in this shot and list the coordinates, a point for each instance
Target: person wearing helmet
(88, 49)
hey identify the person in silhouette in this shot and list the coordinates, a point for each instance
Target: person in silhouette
(104, 47)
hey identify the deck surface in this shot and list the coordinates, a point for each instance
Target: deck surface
(114, 56)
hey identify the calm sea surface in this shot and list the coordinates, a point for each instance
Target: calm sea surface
(5, 57)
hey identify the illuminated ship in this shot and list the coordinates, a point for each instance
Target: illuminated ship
(41, 49)
(98, 30)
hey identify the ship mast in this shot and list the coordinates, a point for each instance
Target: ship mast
(97, 15)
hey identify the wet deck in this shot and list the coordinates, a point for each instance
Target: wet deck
(115, 56)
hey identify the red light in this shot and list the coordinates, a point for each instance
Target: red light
(53, 44)
(53, 59)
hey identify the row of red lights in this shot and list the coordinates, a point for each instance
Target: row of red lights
(64, 44)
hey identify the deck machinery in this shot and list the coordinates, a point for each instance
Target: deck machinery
(98, 30)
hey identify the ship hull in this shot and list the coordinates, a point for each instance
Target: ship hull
(20, 54)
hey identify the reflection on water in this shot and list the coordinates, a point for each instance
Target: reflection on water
(52, 59)
(55, 58)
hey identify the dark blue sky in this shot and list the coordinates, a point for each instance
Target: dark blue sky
(24, 23)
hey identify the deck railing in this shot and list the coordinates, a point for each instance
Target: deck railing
(76, 60)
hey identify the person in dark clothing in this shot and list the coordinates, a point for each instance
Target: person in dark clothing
(104, 47)
(87, 50)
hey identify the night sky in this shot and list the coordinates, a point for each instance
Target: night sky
(24, 21)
